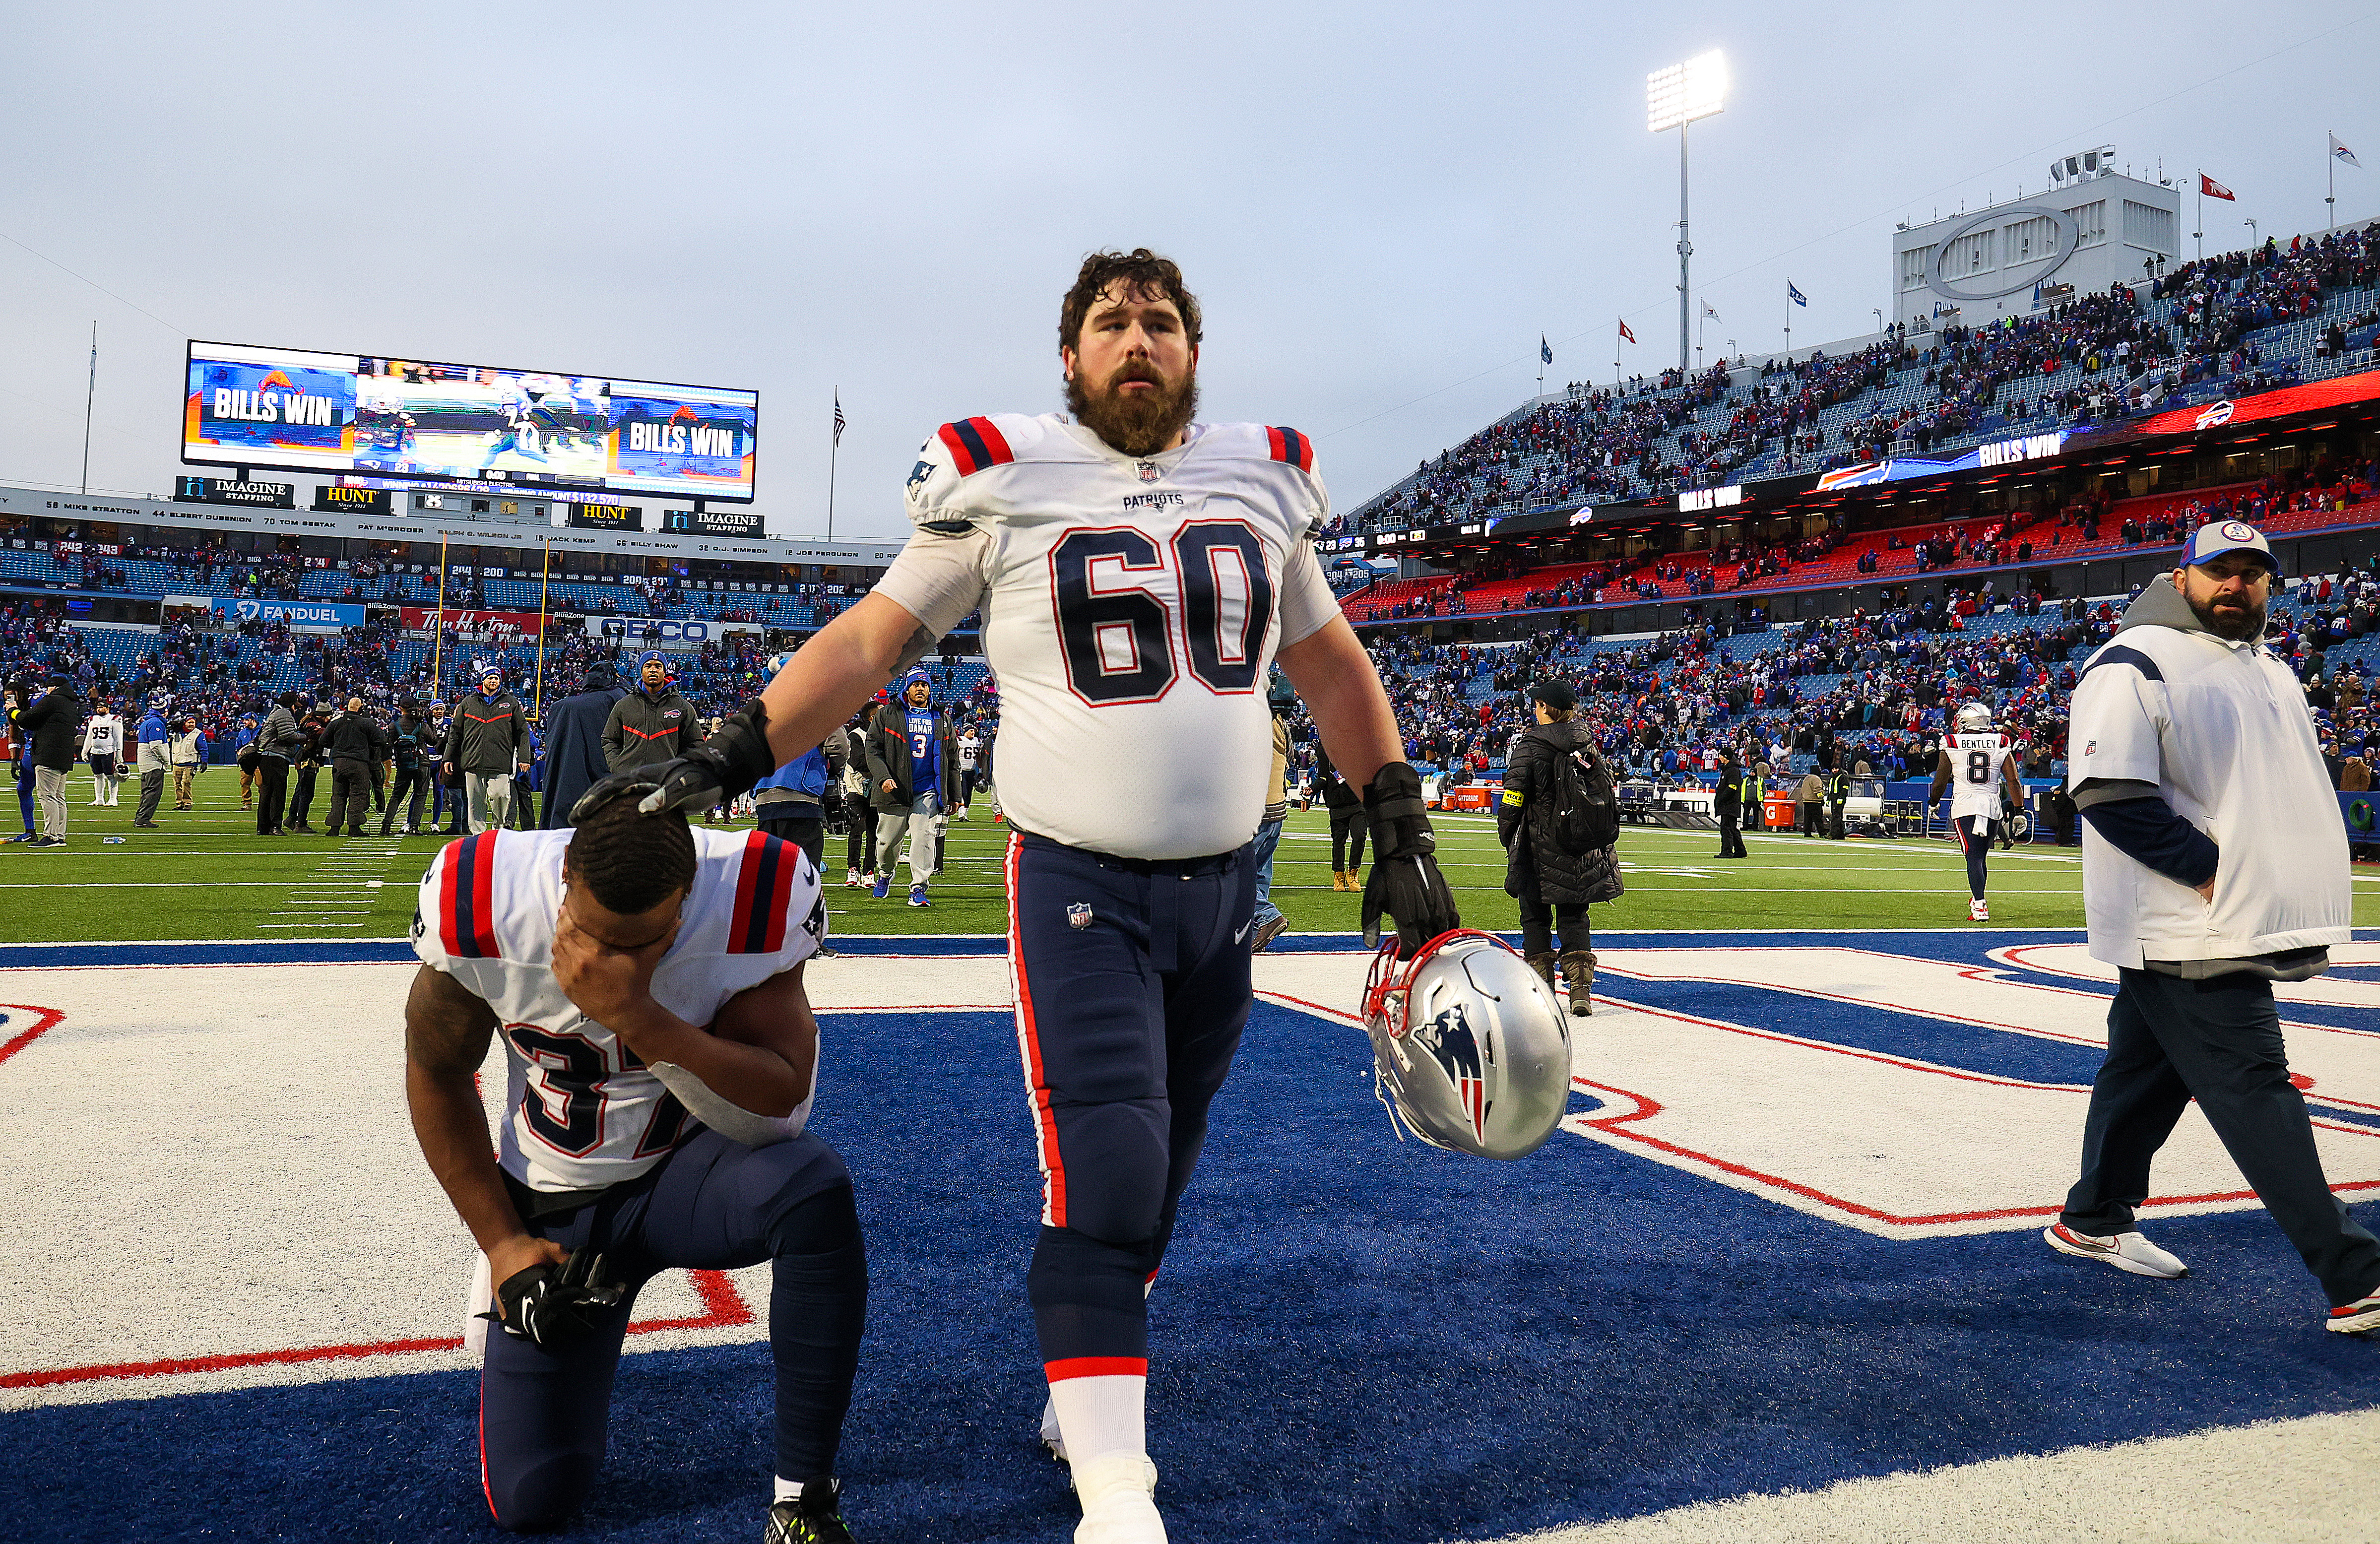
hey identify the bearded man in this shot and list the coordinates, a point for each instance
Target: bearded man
(1137, 573)
(2214, 865)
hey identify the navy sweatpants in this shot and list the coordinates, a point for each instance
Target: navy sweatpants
(712, 1205)
(1132, 988)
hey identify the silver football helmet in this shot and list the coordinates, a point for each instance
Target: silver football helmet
(1974, 718)
(1470, 1047)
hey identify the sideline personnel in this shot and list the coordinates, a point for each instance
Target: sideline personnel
(2214, 865)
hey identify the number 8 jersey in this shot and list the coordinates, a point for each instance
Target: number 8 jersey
(1975, 767)
(1132, 606)
(580, 1111)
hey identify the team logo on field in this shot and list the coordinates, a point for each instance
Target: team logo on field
(1450, 1044)
(1078, 916)
(1148, 472)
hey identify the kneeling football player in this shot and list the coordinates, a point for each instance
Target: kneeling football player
(646, 980)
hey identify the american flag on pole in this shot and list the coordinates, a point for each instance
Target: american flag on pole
(838, 416)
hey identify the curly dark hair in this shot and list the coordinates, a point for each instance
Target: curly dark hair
(630, 862)
(1144, 274)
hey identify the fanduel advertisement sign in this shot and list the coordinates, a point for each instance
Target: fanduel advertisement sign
(297, 613)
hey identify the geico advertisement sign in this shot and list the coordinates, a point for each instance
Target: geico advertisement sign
(663, 632)
(297, 613)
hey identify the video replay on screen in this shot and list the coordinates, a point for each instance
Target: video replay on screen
(303, 411)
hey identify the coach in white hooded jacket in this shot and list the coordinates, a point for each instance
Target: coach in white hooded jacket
(2214, 864)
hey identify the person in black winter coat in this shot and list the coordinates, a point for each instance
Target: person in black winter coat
(1348, 824)
(574, 759)
(347, 740)
(412, 751)
(1553, 886)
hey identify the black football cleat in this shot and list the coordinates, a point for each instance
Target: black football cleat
(813, 1517)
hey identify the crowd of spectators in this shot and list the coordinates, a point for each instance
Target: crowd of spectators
(1644, 439)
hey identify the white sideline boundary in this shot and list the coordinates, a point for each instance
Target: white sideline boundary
(2304, 1481)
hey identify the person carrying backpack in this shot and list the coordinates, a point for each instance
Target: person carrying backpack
(1559, 820)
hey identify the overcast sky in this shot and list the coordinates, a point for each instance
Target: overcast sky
(1381, 206)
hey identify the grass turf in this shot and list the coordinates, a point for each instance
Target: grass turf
(208, 875)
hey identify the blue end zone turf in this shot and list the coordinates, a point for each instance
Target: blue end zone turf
(1354, 1340)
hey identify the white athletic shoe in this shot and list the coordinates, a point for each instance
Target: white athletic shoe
(1116, 1489)
(1979, 911)
(2356, 1317)
(1052, 1437)
(2125, 1251)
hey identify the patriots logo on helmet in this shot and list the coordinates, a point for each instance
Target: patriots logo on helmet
(1450, 1044)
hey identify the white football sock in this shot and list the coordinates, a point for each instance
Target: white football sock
(787, 1490)
(1101, 1414)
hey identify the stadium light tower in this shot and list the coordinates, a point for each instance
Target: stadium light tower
(1675, 97)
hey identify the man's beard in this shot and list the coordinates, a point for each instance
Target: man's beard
(2236, 625)
(1137, 423)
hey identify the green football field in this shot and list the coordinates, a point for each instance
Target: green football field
(208, 875)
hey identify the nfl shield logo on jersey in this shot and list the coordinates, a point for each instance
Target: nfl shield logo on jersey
(1148, 472)
(1078, 916)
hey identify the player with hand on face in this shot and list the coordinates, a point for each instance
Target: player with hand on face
(1138, 572)
(1977, 765)
(645, 980)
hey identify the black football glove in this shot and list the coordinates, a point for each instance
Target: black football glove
(551, 1306)
(1404, 881)
(727, 764)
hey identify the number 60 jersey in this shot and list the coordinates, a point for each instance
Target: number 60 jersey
(1132, 606)
(580, 1111)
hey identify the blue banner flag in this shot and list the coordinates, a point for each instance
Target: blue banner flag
(1545, 349)
(1794, 295)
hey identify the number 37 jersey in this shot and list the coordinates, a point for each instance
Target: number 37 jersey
(581, 1110)
(1132, 606)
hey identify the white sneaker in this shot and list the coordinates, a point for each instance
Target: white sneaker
(1979, 911)
(2356, 1317)
(1116, 1491)
(1052, 1437)
(2125, 1251)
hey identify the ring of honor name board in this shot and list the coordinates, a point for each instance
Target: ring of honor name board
(303, 411)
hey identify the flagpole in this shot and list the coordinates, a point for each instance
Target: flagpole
(544, 580)
(2329, 218)
(437, 626)
(834, 450)
(90, 391)
(2199, 234)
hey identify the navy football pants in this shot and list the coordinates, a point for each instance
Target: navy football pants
(713, 1205)
(1132, 988)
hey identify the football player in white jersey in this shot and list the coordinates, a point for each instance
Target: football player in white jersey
(1977, 766)
(1138, 573)
(645, 980)
(102, 749)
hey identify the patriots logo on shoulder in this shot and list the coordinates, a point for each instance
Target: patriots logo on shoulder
(919, 473)
(2091, 747)
(1450, 1044)
(1148, 472)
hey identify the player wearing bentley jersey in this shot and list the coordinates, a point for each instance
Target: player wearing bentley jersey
(1976, 764)
(632, 967)
(1137, 573)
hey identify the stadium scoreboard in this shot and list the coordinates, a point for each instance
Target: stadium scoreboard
(345, 414)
